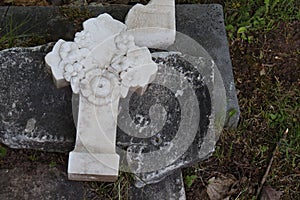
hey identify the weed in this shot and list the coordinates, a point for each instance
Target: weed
(244, 18)
(116, 190)
(219, 153)
(52, 164)
(10, 33)
(33, 157)
(189, 180)
(14, 34)
(3, 152)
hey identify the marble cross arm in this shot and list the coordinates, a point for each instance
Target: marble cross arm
(153, 25)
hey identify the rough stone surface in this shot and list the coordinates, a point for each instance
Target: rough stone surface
(171, 188)
(34, 113)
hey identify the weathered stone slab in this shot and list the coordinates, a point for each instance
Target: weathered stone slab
(34, 113)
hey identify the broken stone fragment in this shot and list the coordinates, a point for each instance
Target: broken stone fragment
(153, 25)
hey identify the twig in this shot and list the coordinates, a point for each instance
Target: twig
(270, 163)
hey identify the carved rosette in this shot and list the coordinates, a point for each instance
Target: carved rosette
(99, 86)
(102, 63)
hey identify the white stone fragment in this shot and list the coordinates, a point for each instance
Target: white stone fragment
(102, 64)
(153, 25)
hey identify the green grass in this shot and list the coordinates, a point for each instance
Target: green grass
(244, 18)
(189, 180)
(114, 191)
(52, 164)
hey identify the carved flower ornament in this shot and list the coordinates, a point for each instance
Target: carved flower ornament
(102, 63)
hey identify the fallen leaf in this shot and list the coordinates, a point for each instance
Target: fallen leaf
(262, 72)
(219, 188)
(268, 193)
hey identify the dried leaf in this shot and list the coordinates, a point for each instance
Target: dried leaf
(268, 193)
(262, 72)
(219, 188)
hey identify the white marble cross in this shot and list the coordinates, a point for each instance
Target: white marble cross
(101, 65)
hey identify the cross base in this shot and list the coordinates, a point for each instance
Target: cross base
(87, 166)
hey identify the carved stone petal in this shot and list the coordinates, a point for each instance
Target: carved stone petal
(141, 72)
(100, 29)
(139, 56)
(139, 76)
(102, 54)
(75, 84)
(53, 60)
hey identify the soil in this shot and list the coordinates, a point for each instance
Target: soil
(260, 68)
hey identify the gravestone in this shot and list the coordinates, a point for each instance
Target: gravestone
(216, 36)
